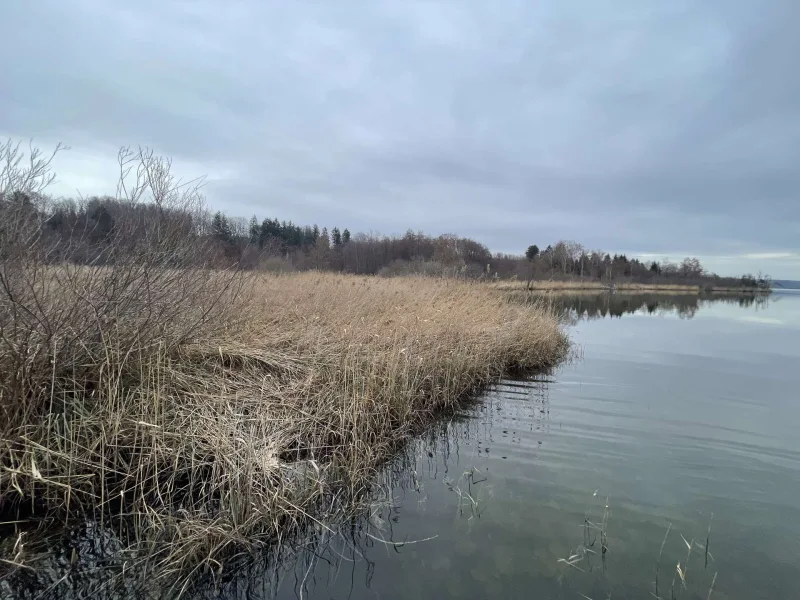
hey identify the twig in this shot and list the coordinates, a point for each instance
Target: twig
(708, 537)
(660, 552)
(401, 544)
(711, 589)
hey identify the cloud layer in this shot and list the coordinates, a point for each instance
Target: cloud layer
(640, 127)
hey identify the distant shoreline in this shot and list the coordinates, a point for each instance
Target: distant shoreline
(567, 286)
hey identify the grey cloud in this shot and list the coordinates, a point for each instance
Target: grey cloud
(638, 127)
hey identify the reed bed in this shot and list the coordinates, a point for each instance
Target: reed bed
(199, 424)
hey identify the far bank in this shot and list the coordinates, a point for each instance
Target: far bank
(596, 286)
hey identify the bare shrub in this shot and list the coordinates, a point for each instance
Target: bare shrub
(82, 315)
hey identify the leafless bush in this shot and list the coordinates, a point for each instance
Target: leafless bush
(84, 310)
(25, 174)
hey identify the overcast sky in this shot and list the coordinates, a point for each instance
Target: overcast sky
(652, 128)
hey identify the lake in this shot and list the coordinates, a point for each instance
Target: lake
(677, 416)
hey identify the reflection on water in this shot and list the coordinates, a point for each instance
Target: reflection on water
(604, 304)
(666, 424)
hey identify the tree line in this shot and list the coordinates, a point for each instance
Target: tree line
(87, 226)
(571, 260)
(169, 219)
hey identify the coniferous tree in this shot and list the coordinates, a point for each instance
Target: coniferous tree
(255, 230)
(323, 241)
(220, 228)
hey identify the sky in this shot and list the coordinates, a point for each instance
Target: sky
(658, 129)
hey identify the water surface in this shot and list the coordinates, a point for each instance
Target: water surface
(681, 413)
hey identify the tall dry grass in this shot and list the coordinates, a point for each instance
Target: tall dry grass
(237, 435)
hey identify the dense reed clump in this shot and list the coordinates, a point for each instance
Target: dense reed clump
(200, 410)
(317, 379)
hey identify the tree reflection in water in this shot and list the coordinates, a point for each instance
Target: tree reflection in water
(591, 306)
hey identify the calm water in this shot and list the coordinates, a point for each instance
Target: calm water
(676, 410)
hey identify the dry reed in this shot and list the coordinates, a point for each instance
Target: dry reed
(213, 434)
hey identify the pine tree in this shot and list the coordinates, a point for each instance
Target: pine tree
(345, 236)
(323, 241)
(336, 237)
(220, 228)
(255, 230)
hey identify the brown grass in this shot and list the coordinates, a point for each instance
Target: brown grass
(292, 396)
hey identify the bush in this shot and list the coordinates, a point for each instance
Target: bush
(73, 335)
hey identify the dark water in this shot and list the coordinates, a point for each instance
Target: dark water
(677, 413)
(674, 412)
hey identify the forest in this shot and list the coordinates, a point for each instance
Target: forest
(87, 230)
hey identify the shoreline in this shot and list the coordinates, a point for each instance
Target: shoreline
(582, 286)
